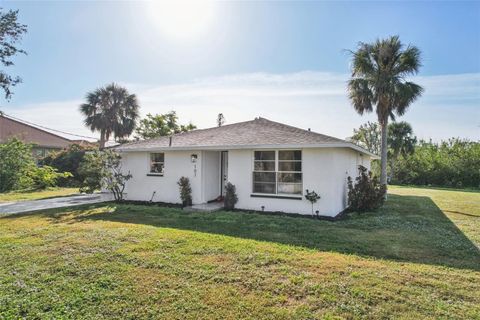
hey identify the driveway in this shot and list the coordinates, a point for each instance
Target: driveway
(60, 202)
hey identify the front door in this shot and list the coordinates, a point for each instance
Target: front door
(223, 171)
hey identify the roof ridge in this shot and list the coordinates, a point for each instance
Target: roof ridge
(306, 131)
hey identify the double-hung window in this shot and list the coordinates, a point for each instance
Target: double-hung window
(277, 172)
(157, 163)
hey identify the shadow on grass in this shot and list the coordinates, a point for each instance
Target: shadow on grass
(407, 228)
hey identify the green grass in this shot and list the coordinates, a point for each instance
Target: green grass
(408, 260)
(36, 194)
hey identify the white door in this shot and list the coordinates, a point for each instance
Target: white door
(223, 171)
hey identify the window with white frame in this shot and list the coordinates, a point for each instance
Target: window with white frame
(277, 172)
(157, 163)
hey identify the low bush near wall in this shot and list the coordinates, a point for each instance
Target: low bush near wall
(365, 193)
(185, 191)
(231, 197)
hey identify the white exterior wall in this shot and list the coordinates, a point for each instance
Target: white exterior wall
(177, 164)
(325, 170)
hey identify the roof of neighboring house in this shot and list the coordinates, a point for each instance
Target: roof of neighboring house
(257, 133)
(10, 128)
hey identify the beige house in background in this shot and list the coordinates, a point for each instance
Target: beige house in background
(43, 141)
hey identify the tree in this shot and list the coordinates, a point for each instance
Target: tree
(368, 136)
(401, 141)
(110, 110)
(220, 119)
(103, 169)
(11, 32)
(378, 81)
(160, 125)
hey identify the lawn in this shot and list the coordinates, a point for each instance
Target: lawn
(36, 195)
(408, 260)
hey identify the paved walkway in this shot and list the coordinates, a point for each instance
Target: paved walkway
(33, 205)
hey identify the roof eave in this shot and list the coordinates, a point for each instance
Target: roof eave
(256, 146)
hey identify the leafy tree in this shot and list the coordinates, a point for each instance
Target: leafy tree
(160, 125)
(378, 81)
(15, 159)
(110, 110)
(103, 169)
(401, 141)
(368, 136)
(11, 32)
(68, 159)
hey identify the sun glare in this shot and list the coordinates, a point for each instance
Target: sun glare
(182, 19)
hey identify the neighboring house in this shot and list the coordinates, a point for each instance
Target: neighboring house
(271, 164)
(43, 141)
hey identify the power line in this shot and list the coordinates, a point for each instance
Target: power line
(46, 128)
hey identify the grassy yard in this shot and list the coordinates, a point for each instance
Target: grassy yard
(36, 195)
(408, 260)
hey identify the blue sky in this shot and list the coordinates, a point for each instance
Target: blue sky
(282, 60)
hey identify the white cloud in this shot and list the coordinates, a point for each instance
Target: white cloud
(317, 100)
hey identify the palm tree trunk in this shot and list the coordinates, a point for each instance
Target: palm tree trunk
(102, 139)
(383, 174)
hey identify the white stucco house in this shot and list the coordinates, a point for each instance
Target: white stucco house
(271, 164)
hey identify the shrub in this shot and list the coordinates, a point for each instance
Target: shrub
(185, 191)
(41, 177)
(231, 197)
(15, 159)
(365, 193)
(91, 169)
(68, 159)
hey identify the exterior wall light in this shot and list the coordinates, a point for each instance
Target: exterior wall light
(194, 158)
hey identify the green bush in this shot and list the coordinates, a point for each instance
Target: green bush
(90, 169)
(15, 159)
(69, 160)
(231, 197)
(365, 193)
(185, 191)
(41, 177)
(452, 163)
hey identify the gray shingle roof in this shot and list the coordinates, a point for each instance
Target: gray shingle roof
(258, 132)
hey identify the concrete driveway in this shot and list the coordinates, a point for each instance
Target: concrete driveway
(60, 202)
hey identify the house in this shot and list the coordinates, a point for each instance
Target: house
(43, 141)
(271, 164)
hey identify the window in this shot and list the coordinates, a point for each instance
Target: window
(277, 177)
(264, 175)
(157, 163)
(289, 172)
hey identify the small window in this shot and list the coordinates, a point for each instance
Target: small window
(157, 163)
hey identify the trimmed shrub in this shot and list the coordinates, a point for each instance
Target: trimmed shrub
(185, 191)
(15, 159)
(231, 197)
(365, 193)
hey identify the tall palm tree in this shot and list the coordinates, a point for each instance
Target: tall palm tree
(378, 81)
(110, 110)
(401, 141)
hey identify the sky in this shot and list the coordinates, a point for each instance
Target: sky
(285, 61)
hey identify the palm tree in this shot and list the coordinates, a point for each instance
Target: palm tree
(110, 110)
(401, 141)
(378, 81)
